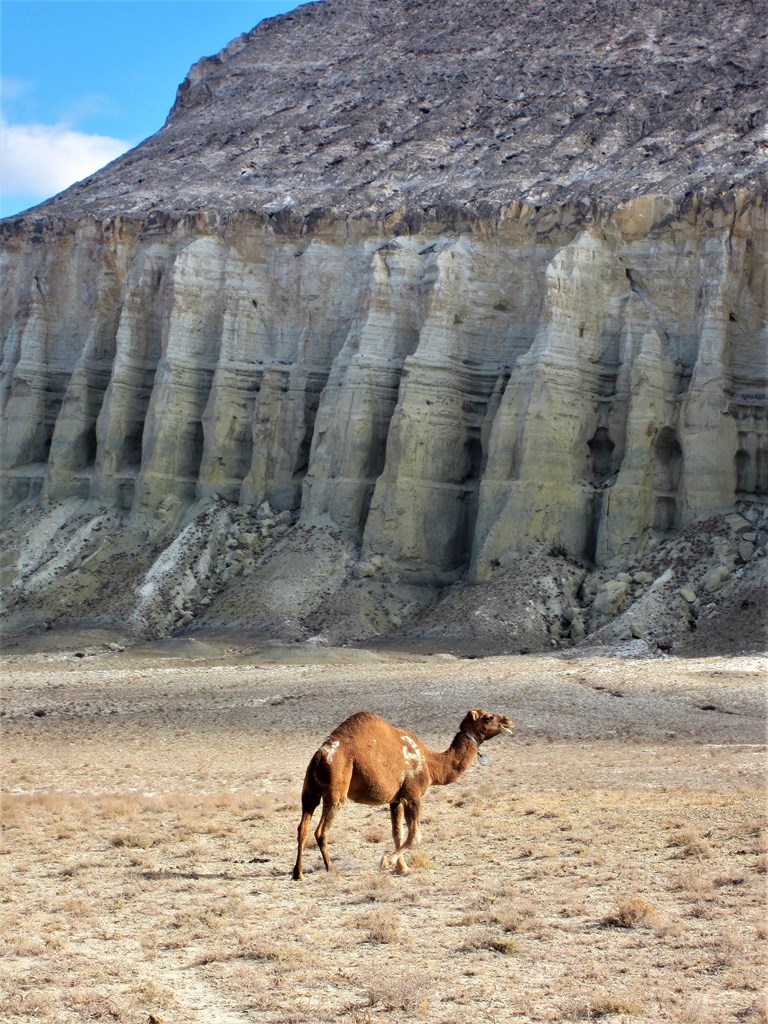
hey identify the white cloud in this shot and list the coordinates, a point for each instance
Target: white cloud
(41, 159)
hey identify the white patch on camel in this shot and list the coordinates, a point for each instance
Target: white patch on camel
(329, 748)
(412, 755)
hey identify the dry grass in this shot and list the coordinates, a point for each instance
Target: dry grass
(546, 890)
(631, 912)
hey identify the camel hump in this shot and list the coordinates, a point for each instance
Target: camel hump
(365, 729)
(361, 720)
(359, 727)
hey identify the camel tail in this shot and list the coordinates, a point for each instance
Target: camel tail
(317, 778)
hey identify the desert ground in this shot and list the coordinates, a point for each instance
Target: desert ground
(609, 862)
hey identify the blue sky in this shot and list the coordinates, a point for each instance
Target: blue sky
(84, 80)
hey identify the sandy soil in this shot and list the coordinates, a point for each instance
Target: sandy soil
(609, 862)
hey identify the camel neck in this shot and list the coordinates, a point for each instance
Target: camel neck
(449, 765)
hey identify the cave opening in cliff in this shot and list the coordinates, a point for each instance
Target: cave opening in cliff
(43, 436)
(601, 453)
(667, 475)
(463, 539)
(473, 458)
(668, 461)
(192, 452)
(301, 464)
(746, 482)
(88, 446)
(132, 447)
(761, 487)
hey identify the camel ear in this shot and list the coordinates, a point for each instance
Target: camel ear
(474, 714)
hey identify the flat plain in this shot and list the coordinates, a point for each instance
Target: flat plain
(609, 862)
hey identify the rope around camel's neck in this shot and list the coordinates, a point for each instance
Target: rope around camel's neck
(481, 758)
(452, 763)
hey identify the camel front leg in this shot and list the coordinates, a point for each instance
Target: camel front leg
(397, 814)
(411, 812)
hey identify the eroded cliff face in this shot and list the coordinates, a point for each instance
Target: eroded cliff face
(450, 400)
(443, 387)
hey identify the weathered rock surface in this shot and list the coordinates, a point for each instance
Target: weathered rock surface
(351, 106)
(453, 285)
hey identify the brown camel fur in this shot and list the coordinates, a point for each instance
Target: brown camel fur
(372, 762)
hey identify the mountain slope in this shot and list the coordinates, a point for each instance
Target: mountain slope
(357, 105)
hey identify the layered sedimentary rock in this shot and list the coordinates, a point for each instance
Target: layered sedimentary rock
(446, 399)
(462, 289)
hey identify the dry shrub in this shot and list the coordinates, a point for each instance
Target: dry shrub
(375, 834)
(373, 888)
(13, 810)
(631, 912)
(30, 1004)
(605, 1005)
(493, 941)
(729, 878)
(82, 866)
(695, 1011)
(727, 949)
(420, 860)
(262, 951)
(25, 946)
(119, 805)
(382, 925)
(666, 928)
(693, 882)
(702, 909)
(90, 1004)
(745, 978)
(508, 919)
(608, 1006)
(690, 844)
(541, 852)
(408, 991)
(59, 803)
(149, 991)
(135, 840)
(17, 808)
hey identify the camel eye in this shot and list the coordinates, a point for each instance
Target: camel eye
(488, 718)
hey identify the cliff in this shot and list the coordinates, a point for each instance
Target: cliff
(449, 285)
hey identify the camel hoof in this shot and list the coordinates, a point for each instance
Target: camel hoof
(384, 863)
(402, 868)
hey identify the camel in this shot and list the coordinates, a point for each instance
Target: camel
(369, 761)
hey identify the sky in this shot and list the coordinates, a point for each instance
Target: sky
(81, 81)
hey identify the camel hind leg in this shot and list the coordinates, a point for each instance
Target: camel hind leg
(330, 807)
(327, 778)
(309, 802)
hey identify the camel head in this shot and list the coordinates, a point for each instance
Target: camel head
(482, 725)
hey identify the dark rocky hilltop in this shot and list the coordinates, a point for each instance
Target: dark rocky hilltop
(355, 105)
